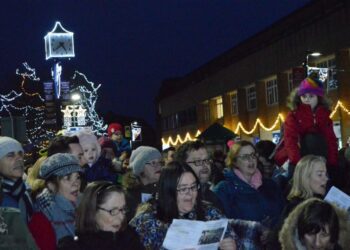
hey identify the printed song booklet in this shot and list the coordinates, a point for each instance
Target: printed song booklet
(339, 198)
(191, 234)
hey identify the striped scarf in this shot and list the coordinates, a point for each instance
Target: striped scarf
(17, 190)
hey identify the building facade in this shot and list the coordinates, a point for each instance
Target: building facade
(246, 88)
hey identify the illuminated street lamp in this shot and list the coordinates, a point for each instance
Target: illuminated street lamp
(306, 63)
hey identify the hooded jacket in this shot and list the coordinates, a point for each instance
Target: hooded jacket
(304, 121)
(288, 235)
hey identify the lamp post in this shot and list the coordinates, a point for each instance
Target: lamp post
(306, 63)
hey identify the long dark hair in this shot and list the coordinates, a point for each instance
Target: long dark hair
(314, 218)
(167, 200)
(95, 194)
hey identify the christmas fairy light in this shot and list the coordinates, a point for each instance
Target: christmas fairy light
(240, 127)
(88, 99)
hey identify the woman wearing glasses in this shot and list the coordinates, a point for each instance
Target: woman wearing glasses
(141, 181)
(244, 193)
(101, 221)
(179, 198)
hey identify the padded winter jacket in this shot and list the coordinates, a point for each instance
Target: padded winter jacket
(241, 201)
(303, 121)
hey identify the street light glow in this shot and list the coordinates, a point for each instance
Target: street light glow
(75, 97)
(315, 54)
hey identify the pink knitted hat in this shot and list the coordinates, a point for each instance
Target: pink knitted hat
(311, 86)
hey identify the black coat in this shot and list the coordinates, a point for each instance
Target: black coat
(101, 240)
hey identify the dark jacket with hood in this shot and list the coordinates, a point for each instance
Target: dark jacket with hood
(288, 236)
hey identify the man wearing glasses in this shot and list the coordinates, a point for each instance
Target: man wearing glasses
(196, 156)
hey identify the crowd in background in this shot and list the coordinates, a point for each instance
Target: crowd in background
(97, 193)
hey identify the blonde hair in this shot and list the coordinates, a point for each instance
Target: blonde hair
(303, 170)
(33, 180)
(233, 152)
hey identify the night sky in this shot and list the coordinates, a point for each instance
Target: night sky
(130, 46)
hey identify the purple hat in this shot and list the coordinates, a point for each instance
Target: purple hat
(311, 86)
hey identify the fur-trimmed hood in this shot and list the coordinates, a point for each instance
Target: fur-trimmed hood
(288, 236)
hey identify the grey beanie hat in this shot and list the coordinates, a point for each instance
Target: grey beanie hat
(140, 156)
(8, 144)
(59, 164)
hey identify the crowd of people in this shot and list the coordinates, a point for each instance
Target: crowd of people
(86, 192)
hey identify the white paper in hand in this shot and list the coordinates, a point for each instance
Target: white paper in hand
(339, 198)
(190, 234)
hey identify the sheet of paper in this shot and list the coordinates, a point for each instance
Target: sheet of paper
(339, 198)
(197, 235)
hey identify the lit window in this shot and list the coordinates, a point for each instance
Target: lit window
(219, 108)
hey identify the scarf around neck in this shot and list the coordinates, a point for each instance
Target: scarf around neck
(17, 190)
(256, 180)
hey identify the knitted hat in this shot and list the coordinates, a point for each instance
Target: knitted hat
(140, 156)
(311, 86)
(86, 138)
(60, 164)
(8, 144)
(114, 127)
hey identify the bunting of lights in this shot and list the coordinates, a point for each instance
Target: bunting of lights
(170, 141)
(89, 96)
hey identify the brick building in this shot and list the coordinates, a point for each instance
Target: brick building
(252, 80)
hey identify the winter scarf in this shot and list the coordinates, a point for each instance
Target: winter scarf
(256, 180)
(17, 190)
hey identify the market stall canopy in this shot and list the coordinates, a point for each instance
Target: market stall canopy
(216, 134)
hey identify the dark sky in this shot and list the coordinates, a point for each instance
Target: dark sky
(130, 46)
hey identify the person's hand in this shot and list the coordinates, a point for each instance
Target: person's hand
(227, 244)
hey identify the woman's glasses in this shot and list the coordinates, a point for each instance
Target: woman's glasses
(185, 190)
(115, 211)
(156, 163)
(247, 157)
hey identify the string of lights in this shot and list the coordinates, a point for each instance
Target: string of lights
(34, 114)
(88, 100)
(240, 127)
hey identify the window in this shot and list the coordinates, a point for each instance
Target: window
(234, 103)
(206, 109)
(251, 98)
(219, 108)
(271, 92)
(331, 82)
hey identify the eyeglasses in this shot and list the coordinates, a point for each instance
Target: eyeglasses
(156, 163)
(247, 157)
(199, 163)
(184, 190)
(115, 211)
